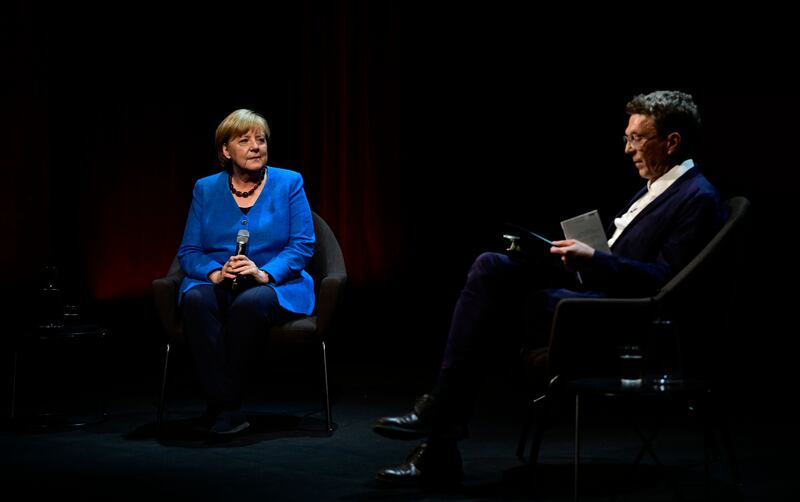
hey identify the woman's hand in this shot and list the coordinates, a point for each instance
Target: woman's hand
(575, 255)
(242, 265)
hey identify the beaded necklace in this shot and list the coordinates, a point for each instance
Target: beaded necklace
(252, 190)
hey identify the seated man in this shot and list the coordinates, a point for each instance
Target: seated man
(659, 231)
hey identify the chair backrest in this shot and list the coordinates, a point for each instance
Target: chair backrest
(703, 299)
(713, 266)
(585, 331)
(328, 259)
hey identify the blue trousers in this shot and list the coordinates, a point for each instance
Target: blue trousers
(221, 327)
(501, 288)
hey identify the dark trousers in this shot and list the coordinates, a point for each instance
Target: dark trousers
(500, 287)
(221, 327)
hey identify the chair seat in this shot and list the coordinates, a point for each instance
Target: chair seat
(300, 327)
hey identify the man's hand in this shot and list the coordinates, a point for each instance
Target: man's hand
(575, 255)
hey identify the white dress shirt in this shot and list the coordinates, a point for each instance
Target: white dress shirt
(654, 189)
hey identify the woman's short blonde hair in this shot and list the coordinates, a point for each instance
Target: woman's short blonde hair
(236, 124)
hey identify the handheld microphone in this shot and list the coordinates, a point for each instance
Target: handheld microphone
(241, 248)
(241, 241)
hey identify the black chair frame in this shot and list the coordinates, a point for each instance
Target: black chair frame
(570, 357)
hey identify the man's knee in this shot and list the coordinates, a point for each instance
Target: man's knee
(486, 264)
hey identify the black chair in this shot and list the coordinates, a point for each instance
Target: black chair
(696, 305)
(327, 268)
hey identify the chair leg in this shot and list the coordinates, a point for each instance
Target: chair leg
(731, 454)
(326, 394)
(713, 416)
(523, 436)
(577, 459)
(542, 421)
(708, 446)
(733, 464)
(13, 410)
(536, 445)
(527, 423)
(647, 444)
(533, 416)
(162, 398)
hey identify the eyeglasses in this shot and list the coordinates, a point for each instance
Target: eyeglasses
(635, 140)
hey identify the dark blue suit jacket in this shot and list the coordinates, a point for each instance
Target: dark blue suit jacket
(661, 240)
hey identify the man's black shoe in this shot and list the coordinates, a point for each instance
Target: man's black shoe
(426, 418)
(414, 425)
(229, 423)
(203, 423)
(430, 464)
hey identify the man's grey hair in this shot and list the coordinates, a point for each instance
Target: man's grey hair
(672, 111)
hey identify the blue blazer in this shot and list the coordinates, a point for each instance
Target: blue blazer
(661, 240)
(281, 235)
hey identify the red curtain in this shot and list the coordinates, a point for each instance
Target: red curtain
(351, 132)
(101, 156)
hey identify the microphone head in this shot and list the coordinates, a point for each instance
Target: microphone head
(242, 237)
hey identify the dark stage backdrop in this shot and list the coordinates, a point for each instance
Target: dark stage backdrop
(113, 123)
(418, 129)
